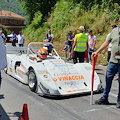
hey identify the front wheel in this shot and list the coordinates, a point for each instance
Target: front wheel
(32, 81)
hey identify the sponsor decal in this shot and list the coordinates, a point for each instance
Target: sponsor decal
(72, 83)
(68, 78)
(43, 73)
(77, 90)
(10, 69)
(59, 65)
(22, 66)
(61, 74)
(19, 70)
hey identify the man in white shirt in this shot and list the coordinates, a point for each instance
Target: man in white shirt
(50, 36)
(21, 39)
(3, 36)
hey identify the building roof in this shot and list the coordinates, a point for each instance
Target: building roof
(9, 14)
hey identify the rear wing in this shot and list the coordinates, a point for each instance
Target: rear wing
(31, 49)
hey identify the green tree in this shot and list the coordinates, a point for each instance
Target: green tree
(32, 6)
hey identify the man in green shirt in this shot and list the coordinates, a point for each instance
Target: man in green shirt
(113, 66)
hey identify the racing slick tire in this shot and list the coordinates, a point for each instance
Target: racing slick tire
(32, 81)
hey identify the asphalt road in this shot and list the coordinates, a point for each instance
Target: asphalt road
(14, 94)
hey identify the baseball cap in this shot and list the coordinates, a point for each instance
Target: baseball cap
(82, 28)
(69, 31)
(89, 31)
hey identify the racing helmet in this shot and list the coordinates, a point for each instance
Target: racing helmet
(42, 53)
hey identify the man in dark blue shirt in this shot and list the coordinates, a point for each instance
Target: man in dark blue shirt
(14, 39)
(70, 43)
(47, 40)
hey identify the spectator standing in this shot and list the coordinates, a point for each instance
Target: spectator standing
(79, 46)
(91, 44)
(47, 40)
(21, 39)
(110, 45)
(3, 36)
(65, 49)
(50, 36)
(113, 65)
(13, 39)
(70, 43)
(86, 51)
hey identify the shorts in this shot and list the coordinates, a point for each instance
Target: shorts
(70, 48)
(65, 52)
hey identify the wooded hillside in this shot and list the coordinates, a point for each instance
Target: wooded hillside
(11, 5)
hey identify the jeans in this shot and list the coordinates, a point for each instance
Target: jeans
(112, 69)
(20, 45)
(70, 48)
(90, 53)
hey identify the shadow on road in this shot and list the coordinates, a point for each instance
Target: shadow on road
(3, 114)
(16, 115)
(7, 116)
(71, 96)
(2, 97)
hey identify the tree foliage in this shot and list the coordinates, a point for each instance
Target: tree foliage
(11, 5)
(32, 6)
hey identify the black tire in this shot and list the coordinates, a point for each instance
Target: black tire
(32, 81)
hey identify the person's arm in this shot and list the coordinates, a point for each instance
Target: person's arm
(74, 44)
(93, 45)
(102, 47)
(94, 42)
(23, 40)
(87, 45)
(103, 51)
(52, 39)
(71, 39)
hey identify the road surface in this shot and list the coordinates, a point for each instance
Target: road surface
(13, 94)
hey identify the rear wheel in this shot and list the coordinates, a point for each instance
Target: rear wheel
(32, 81)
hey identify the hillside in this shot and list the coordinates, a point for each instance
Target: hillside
(11, 5)
(67, 15)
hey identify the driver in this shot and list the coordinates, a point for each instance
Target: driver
(41, 54)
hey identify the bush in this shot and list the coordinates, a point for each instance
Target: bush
(5, 31)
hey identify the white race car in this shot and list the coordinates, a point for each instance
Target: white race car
(52, 76)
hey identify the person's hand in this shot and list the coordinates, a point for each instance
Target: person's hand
(94, 54)
(103, 51)
(92, 48)
(10, 39)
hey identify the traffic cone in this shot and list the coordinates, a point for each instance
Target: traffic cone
(21, 118)
(25, 113)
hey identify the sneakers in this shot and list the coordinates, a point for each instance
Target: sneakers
(102, 101)
(118, 104)
(69, 59)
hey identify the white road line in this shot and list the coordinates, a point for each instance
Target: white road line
(112, 106)
(92, 110)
